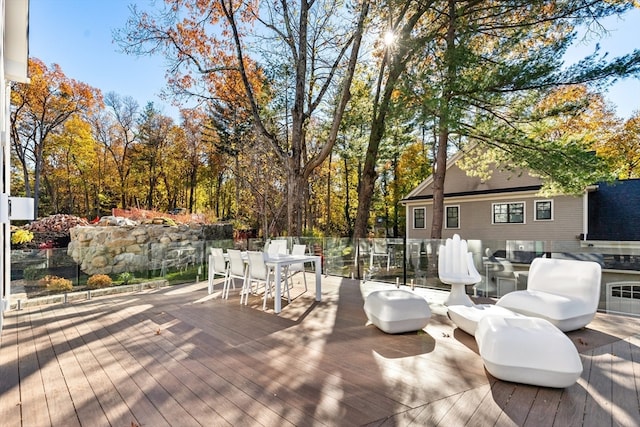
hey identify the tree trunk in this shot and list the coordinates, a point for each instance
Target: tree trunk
(36, 179)
(443, 126)
(347, 206)
(439, 173)
(368, 181)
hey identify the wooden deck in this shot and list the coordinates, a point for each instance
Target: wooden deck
(177, 356)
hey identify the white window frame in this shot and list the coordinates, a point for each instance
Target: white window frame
(524, 213)
(535, 209)
(424, 218)
(446, 218)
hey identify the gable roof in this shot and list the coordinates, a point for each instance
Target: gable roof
(458, 183)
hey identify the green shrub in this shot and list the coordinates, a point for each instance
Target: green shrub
(56, 284)
(33, 274)
(125, 277)
(98, 281)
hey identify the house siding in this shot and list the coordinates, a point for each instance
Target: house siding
(476, 221)
(475, 197)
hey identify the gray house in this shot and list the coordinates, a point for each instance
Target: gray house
(507, 223)
(508, 206)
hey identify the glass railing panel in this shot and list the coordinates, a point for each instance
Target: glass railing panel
(177, 262)
(43, 272)
(338, 256)
(502, 264)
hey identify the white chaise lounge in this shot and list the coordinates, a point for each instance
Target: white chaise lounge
(527, 350)
(564, 292)
(467, 317)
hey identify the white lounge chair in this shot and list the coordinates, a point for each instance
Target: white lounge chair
(565, 292)
(456, 268)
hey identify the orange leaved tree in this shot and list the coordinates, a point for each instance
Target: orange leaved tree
(315, 44)
(38, 110)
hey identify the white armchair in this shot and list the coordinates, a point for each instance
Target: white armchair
(456, 268)
(564, 292)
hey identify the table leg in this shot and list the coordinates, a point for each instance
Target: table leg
(318, 267)
(277, 304)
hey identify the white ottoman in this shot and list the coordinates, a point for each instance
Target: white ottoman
(395, 311)
(527, 350)
(467, 317)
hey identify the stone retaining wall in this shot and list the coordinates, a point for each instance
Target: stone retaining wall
(114, 250)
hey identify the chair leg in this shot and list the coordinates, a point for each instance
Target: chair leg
(228, 278)
(267, 293)
(225, 285)
(230, 282)
(246, 288)
(210, 279)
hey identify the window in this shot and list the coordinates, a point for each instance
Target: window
(419, 218)
(508, 213)
(453, 217)
(544, 210)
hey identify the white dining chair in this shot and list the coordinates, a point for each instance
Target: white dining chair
(299, 267)
(237, 270)
(218, 267)
(380, 249)
(277, 247)
(258, 273)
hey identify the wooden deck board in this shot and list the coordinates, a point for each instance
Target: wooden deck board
(166, 371)
(59, 400)
(85, 403)
(177, 356)
(572, 401)
(113, 404)
(598, 404)
(100, 341)
(464, 408)
(487, 411)
(623, 394)
(10, 405)
(520, 402)
(634, 343)
(31, 380)
(544, 408)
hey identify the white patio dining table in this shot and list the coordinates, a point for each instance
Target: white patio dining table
(280, 260)
(277, 261)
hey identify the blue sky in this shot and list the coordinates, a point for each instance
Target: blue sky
(77, 35)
